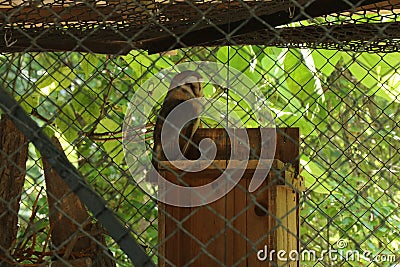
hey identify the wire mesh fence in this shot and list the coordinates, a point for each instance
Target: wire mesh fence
(97, 80)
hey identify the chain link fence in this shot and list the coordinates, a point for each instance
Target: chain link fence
(327, 72)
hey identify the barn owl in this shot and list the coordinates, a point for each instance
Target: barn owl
(184, 86)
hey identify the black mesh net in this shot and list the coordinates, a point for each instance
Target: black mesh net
(317, 81)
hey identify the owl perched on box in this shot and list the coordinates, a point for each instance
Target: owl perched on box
(184, 86)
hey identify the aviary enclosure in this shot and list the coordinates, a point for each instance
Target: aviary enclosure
(296, 106)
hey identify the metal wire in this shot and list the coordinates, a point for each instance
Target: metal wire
(328, 68)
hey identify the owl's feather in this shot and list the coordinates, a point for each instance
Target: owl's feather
(185, 86)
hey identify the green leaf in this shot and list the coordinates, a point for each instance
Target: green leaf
(270, 66)
(114, 150)
(211, 91)
(145, 65)
(380, 64)
(29, 100)
(348, 222)
(45, 60)
(390, 89)
(364, 73)
(108, 125)
(373, 70)
(289, 101)
(89, 64)
(290, 119)
(303, 84)
(59, 78)
(65, 121)
(325, 60)
(44, 81)
(332, 211)
(240, 58)
(315, 176)
(87, 105)
(299, 78)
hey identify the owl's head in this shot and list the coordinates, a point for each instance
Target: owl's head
(191, 78)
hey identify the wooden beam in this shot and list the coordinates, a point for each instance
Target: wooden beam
(221, 164)
(384, 5)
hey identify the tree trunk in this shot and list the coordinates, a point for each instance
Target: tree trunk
(67, 215)
(13, 157)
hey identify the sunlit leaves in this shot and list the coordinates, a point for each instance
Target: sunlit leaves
(242, 58)
(114, 150)
(376, 72)
(65, 122)
(315, 176)
(325, 60)
(304, 93)
(58, 78)
(90, 64)
(29, 100)
(345, 104)
(87, 105)
(300, 79)
(145, 65)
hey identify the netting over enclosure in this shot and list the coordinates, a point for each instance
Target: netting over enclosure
(302, 94)
(116, 27)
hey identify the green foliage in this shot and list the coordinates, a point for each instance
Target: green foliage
(345, 104)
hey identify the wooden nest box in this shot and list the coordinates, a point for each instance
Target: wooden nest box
(237, 229)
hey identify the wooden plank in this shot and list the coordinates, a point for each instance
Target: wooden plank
(239, 249)
(184, 248)
(172, 242)
(223, 142)
(207, 231)
(219, 136)
(210, 34)
(298, 196)
(286, 176)
(230, 234)
(259, 223)
(282, 223)
(162, 222)
(69, 13)
(199, 231)
(293, 238)
(272, 224)
(287, 146)
(221, 164)
(391, 5)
